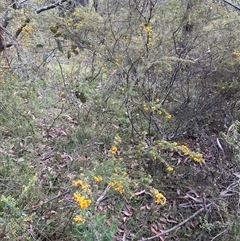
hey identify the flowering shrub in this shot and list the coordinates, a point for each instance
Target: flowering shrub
(114, 103)
(116, 176)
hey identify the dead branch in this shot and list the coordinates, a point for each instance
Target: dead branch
(2, 41)
(178, 225)
(54, 5)
(232, 5)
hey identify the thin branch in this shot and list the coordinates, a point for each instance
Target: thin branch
(178, 225)
(102, 197)
(232, 5)
(219, 234)
(54, 5)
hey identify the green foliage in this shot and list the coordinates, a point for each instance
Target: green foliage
(110, 122)
(99, 228)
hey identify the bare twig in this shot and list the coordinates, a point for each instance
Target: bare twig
(232, 5)
(54, 5)
(229, 191)
(103, 195)
(218, 234)
(176, 226)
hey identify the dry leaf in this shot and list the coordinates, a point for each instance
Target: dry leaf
(163, 220)
(127, 213)
(153, 229)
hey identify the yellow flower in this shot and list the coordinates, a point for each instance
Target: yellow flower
(168, 116)
(237, 53)
(81, 184)
(85, 203)
(185, 150)
(77, 183)
(198, 157)
(24, 29)
(122, 90)
(85, 186)
(79, 219)
(143, 25)
(159, 197)
(145, 107)
(169, 169)
(117, 185)
(113, 150)
(76, 25)
(157, 100)
(77, 197)
(159, 112)
(81, 200)
(111, 184)
(153, 108)
(148, 29)
(97, 179)
(62, 94)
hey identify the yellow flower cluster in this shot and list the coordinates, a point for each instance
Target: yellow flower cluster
(153, 154)
(185, 150)
(28, 29)
(117, 185)
(237, 53)
(79, 219)
(159, 197)
(97, 178)
(80, 183)
(169, 169)
(145, 108)
(196, 156)
(105, 70)
(149, 32)
(113, 150)
(81, 200)
(146, 27)
(157, 108)
(168, 116)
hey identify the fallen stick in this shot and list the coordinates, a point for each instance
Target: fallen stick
(176, 226)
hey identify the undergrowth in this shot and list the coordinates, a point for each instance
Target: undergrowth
(113, 131)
